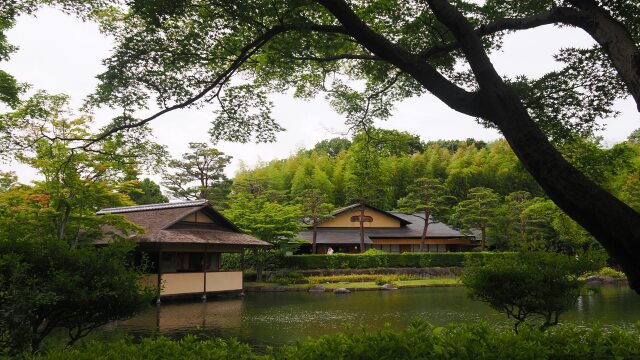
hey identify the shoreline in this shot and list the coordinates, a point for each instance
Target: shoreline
(354, 286)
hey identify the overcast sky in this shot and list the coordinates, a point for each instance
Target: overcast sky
(61, 54)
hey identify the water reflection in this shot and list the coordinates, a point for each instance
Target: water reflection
(275, 318)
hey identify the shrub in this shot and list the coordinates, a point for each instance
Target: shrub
(373, 251)
(528, 286)
(287, 278)
(349, 278)
(45, 285)
(612, 273)
(381, 281)
(377, 260)
(419, 341)
(271, 259)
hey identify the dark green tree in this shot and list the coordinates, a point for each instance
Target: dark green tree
(48, 286)
(316, 209)
(199, 175)
(147, 192)
(332, 147)
(530, 286)
(430, 198)
(477, 211)
(634, 137)
(7, 181)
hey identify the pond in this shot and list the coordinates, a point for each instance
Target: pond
(276, 318)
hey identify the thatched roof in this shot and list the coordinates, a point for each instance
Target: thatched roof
(163, 223)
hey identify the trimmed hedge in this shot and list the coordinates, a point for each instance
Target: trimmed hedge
(365, 261)
(420, 341)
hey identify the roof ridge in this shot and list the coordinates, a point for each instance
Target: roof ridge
(160, 206)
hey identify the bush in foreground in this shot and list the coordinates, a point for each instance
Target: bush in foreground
(419, 341)
(530, 286)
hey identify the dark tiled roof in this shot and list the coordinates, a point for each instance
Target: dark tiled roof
(157, 220)
(412, 230)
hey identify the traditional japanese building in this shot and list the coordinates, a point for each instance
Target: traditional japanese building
(388, 231)
(183, 242)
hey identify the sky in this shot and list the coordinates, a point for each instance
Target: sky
(62, 54)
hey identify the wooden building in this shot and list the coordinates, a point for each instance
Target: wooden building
(183, 242)
(388, 231)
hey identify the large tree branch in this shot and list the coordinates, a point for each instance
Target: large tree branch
(609, 33)
(614, 224)
(615, 40)
(454, 96)
(556, 15)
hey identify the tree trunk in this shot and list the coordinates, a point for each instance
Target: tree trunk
(258, 271)
(424, 229)
(258, 265)
(361, 228)
(315, 234)
(613, 223)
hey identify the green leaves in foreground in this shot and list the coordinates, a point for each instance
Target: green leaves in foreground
(419, 341)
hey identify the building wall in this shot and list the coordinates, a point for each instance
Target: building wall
(193, 283)
(343, 220)
(198, 217)
(224, 281)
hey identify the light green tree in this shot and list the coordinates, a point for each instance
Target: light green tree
(265, 215)
(52, 275)
(309, 176)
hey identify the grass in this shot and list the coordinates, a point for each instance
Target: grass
(369, 285)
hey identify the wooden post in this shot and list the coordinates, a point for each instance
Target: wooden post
(361, 219)
(159, 272)
(158, 317)
(204, 273)
(242, 268)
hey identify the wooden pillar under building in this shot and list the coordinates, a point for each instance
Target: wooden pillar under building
(159, 272)
(242, 268)
(204, 273)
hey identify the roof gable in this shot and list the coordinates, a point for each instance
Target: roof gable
(342, 218)
(156, 217)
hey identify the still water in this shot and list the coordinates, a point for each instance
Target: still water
(276, 318)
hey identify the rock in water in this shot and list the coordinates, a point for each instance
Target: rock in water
(388, 287)
(341, 291)
(317, 288)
